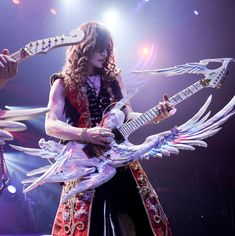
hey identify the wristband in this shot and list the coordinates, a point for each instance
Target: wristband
(82, 138)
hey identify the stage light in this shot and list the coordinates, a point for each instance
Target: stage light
(53, 11)
(69, 5)
(110, 18)
(17, 2)
(196, 12)
(145, 50)
(11, 189)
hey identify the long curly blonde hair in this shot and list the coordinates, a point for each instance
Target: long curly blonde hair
(97, 38)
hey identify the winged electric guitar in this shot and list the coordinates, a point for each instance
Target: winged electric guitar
(94, 165)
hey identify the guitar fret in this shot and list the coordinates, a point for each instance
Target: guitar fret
(123, 134)
(155, 111)
(134, 124)
(124, 128)
(142, 117)
(149, 115)
(153, 114)
(177, 98)
(123, 131)
(139, 122)
(187, 92)
(128, 127)
(146, 116)
(131, 127)
(196, 86)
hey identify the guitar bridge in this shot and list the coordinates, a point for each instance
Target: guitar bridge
(93, 150)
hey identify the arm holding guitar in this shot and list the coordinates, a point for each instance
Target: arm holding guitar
(167, 109)
(8, 67)
(56, 127)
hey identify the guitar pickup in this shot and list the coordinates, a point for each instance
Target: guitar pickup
(93, 150)
(119, 138)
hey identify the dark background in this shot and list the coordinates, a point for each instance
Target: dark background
(197, 189)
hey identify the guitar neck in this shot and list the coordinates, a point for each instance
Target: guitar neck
(20, 55)
(44, 45)
(128, 128)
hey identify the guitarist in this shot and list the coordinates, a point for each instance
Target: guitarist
(8, 67)
(88, 83)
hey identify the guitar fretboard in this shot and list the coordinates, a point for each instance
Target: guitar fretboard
(20, 55)
(128, 128)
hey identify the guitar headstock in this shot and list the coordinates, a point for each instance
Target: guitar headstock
(44, 45)
(214, 78)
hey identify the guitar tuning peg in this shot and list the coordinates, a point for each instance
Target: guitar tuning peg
(62, 38)
(56, 39)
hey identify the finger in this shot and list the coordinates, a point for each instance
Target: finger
(165, 97)
(11, 70)
(5, 51)
(164, 110)
(109, 140)
(101, 143)
(173, 111)
(1, 65)
(106, 130)
(106, 134)
(111, 135)
(3, 59)
(12, 67)
(9, 59)
(169, 106)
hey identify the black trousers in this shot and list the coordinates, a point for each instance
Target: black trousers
(117, 208)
